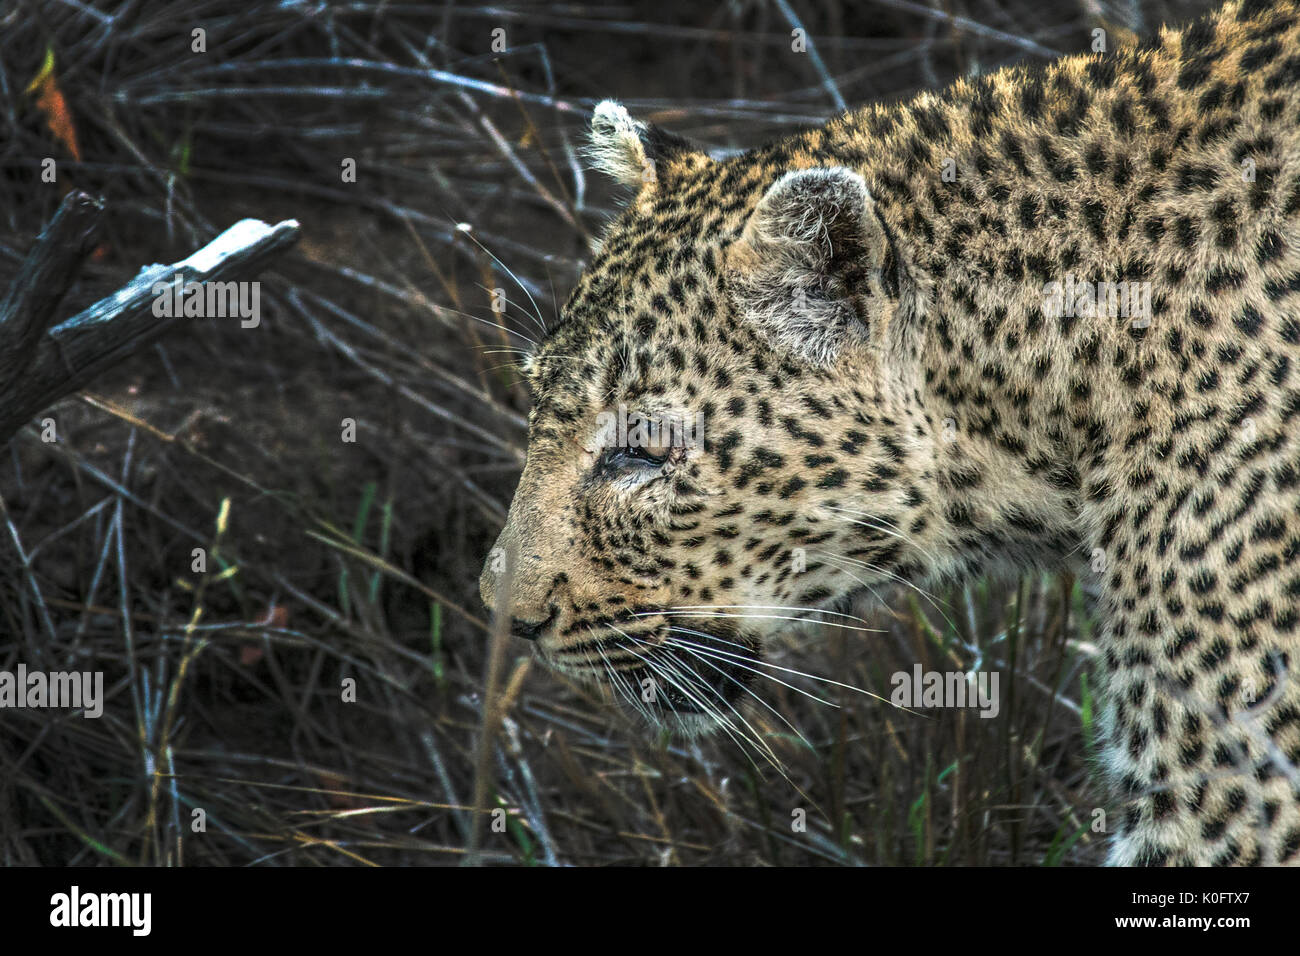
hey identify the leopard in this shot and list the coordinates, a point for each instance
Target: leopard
(1044, 318)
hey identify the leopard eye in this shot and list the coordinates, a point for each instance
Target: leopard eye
(635, 455)
(647, 444)
(653, 444)
(654, 455)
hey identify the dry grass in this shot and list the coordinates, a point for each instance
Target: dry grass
(330, 560)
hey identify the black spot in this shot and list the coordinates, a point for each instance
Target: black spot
(1197, 176)
(1249, 321)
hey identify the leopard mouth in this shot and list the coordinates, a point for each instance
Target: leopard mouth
(689, 686)
(694, 674)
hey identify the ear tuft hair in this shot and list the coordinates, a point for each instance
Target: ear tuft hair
(634, 153)
(813, 266)
(618, 145)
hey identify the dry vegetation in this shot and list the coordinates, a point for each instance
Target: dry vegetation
(332, 560)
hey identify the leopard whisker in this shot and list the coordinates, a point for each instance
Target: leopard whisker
(494, 325)
(737, 659)
(889, 575)
(664, 669)
(508, 301)
(663, 666)
(767, 607)
(620, 685)
(746, 688)
(895, 531)
(751, 734)
(491, 348)
(537, 312)
(788, 670)
(695, 650)
(871, 567)
(754, 617)
(753, 738)
(646, 661)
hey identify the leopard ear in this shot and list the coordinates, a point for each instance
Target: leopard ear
(631, 152)
(813, 267)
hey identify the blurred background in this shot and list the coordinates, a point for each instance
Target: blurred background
(330, 560)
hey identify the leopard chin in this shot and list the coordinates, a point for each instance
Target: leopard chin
(690, 681)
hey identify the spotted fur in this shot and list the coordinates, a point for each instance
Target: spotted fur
(885, 386)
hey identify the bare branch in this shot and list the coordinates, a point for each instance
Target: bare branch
(37, 367)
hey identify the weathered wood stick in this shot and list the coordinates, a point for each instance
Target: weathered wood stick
(39, 364)
(45, 276)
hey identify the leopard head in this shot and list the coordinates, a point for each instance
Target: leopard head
(718, 446)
